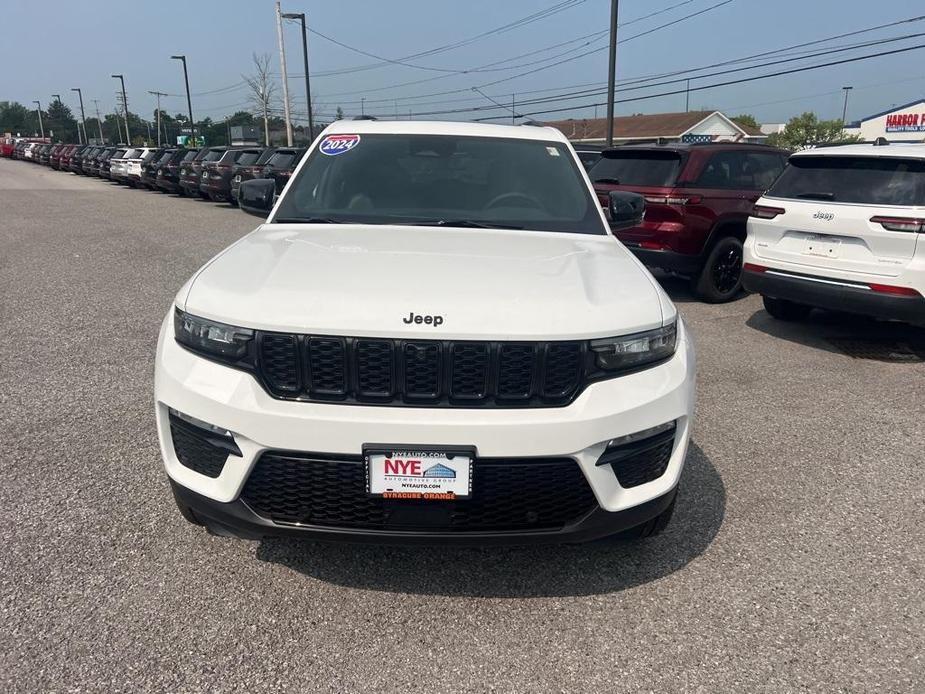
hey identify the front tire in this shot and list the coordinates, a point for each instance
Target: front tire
(785, 310)
(720, 280)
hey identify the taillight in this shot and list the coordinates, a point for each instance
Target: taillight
(908, 224)
(896, 291)
(766, 212)
(673, 200)
(751, 267)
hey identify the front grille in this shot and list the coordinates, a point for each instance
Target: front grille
(434, 373)
(507, 494)
(196, 447)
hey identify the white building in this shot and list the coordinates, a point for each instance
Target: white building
(904, 123)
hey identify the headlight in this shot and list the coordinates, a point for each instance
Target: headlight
(210, 337)
(632, 351)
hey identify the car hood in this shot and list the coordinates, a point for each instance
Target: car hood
(373, 280)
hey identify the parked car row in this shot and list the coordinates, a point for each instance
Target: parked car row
(214, 173)
(839, 228)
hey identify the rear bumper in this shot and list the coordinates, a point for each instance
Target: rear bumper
(667, 260)
(239, 520)
(824, 293)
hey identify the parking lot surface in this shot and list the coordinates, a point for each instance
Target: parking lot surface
(795, 560)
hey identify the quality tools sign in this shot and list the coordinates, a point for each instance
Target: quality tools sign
(905, 122)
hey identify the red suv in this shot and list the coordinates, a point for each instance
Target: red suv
(698, 197)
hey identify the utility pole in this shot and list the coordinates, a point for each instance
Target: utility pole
(513, 109)
(58, 97)
(189, 103)
(282, 67)
(308, 90)
(83, 117)
(39, 111)
(128, 137)
(118, 126)
(844, 113)
(158, 95)
(687, 97)
(99, 121)
(362, 105)
(612, 68)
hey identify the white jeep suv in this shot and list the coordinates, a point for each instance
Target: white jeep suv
(842, 228)
(434, 337)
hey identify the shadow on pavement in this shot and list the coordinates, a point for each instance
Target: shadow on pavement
(844, 333)
(679, 288)
(605, 566)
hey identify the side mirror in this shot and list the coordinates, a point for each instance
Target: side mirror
(256, 196)
(626, 209)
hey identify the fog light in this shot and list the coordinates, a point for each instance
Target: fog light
(642, 456)
(199, 423)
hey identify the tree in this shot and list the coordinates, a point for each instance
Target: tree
(16, 118)
(339, 114)
(61, 121)
(746, 120)
(263, 90)
(806, 130)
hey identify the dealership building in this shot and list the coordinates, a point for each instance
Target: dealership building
(904, 123)
(688, 126)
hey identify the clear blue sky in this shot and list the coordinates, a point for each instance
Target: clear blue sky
(45, 50)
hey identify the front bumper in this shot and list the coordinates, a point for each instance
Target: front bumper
(233, 400)
(835, 295)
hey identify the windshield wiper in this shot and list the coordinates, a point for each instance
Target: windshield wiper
(462, 223)
(816, 196)
(307, 220)
(610, 181)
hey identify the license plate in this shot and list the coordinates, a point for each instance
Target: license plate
(419, 474)
(824, 246)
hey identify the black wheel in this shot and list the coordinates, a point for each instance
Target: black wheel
(781, 309)
(720, 280)
(185, 510)
(652, 527)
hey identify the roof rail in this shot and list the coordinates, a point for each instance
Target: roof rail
(364, 118)
(881, 142)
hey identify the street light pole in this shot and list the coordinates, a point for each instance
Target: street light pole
(308, 90)
(285, 77)
(39, 111)
(189, 103)
(83, 117)
(612, 68)
(128, 137)
(58, 97)
(844, 113)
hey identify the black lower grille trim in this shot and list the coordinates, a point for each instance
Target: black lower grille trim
(641, 460)
(199, 449)
(508, 494)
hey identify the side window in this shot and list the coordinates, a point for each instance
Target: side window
(725, 170)
(764, 168)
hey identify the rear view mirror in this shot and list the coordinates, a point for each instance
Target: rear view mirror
(256, 197)
(626, 209)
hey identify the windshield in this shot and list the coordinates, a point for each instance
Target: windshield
(637, 168)
(265, 157)
(444, 180)
(248, 158)
(281, 160)
(864, 180)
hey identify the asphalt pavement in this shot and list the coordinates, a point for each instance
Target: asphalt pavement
(795, 560)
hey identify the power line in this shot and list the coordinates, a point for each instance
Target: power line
(731, 82)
